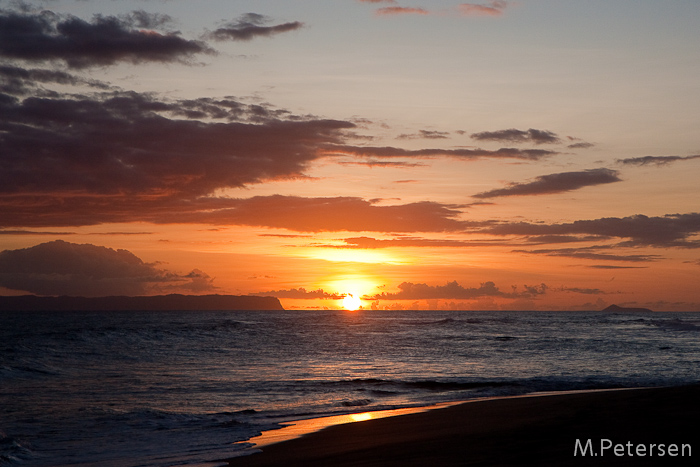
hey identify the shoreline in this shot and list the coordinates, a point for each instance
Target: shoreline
(537, 428)
(295, 429)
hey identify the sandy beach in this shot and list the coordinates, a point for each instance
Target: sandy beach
(655, 426)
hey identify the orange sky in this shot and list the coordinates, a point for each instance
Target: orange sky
(489, 155)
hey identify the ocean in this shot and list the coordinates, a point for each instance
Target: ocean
(161, 388)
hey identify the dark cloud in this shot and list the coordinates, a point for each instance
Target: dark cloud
(451, 290)
(590, 253)
(83, 159)
(131, 143)
(547, 239)
(555, 183)
(582, 290)
(375, 163)
(250, 26)
(454, 291)
(582, 145)
(672, 230)
(518, 136)
(301, 293)
(463, 154)
(62, 268)
(34, 232)
(425, 134)
(143, 19)
(19, 81)
(655, 160)
(105, 40)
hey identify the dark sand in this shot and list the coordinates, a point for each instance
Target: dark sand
(536, 430)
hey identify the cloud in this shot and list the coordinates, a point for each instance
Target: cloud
(374, 243)
(454, 291)
(608, 266)
(377, 1)
(518, 136)
(322, 214)
(251, 26)
(34, 232)
(589, 253)
(20, 81)
(655, 160)
(285, 212)
(106, 40)
(62, 268)
(672, 230)
(375, 163)
(118, 156)
(555, 183)
(301, 293)
(547, 239)
(582, 145)
(463, 154)
(581, 290)
(493, 8)
(425, 134)
(130, 143)
(400, 10)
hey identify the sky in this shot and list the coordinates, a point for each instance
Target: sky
(415, 154)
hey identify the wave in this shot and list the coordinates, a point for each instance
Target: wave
(381, 385)
(356, 403)
(430, 322)
(12, 452)
(676, 325)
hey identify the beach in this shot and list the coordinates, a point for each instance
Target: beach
(649, 426)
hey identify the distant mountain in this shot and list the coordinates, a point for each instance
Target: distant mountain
(173, 302)
(616, 308)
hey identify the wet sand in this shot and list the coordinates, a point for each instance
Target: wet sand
(534, 430)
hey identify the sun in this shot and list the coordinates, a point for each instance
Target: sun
(351, 302)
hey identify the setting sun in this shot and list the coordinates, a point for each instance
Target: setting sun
(352, 302)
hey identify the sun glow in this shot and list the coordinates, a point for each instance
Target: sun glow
(352, 302)
(353, 256)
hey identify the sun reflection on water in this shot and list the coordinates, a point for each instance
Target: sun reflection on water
(361, 417)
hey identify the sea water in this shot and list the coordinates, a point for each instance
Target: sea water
(182, 388)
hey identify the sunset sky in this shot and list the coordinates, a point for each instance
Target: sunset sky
(525, 154)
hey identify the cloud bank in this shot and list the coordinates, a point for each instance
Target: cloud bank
(672, 230)
(454, 291)
(131, 143)
(300, 293)
(62, 268)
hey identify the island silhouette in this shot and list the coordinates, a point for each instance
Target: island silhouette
(171, 302)
(617, 308)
